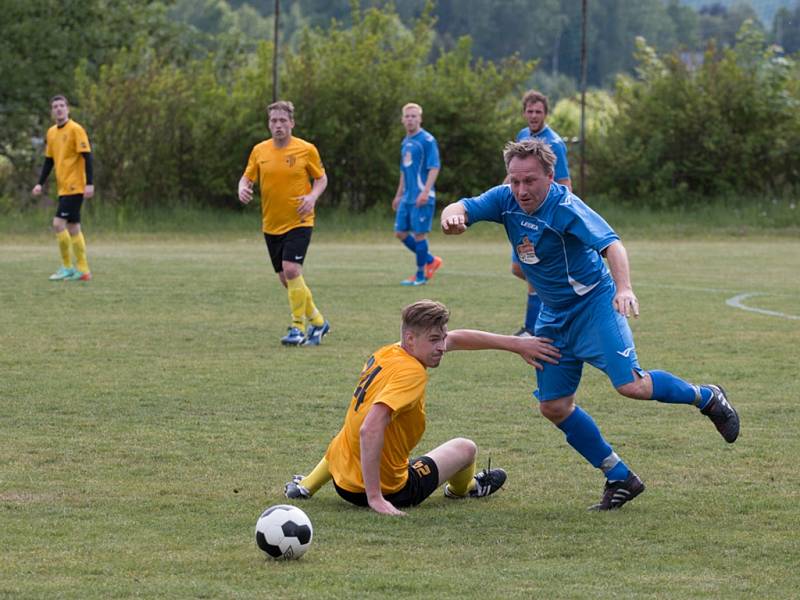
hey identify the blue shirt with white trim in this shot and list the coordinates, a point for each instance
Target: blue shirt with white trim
(555, 142)
(558, 246)
(419, 153)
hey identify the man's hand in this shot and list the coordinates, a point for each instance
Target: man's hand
(37, 190)
(307, 204)
(396, 202)
(422, 199)
(626, 303)
(383, 506)
(454, 224)
(535, 349)
(88, 191)
(245, 191)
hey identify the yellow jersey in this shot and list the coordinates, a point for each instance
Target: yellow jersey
(65, 145)
(395, 378)
(284, 174)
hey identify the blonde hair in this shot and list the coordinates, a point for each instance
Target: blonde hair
(284, 105)
(535, 147)
(424, 315)
(412, 105)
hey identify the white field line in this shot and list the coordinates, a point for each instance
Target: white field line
(737, 302)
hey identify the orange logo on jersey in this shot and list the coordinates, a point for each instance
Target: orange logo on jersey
(526, 252)
(291, 160)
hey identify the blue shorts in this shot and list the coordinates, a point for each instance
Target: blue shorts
(411, 218)
(589, 332)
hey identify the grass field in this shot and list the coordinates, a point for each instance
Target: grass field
(148, 417)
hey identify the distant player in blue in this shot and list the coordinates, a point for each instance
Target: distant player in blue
(561, 243)
(415, 200)
(535, 109)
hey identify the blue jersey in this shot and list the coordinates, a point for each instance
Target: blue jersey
(555, 142)
(558, 246)
(419, 153)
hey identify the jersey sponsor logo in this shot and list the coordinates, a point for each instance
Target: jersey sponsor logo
(291, 160)
(407, 159)
(526, 252)
(530, 225)
(627, 352)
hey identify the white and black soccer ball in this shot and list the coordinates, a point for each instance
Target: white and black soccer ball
(284, 532)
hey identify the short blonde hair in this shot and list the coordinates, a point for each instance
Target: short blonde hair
(284, 105)
(425, 315)
(411, 105)
(535, 147)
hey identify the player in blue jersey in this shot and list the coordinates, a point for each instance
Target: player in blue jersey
(561, 243)
(415, 200)
(535, 109)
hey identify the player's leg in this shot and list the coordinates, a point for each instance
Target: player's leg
(295, 250)
(296, 291)
(620, 362)
(64, 242)
(302, 487)
(557, 385)
(455, 460)
(72, 207)
(533, 303)
(422, 221)
(275, 244)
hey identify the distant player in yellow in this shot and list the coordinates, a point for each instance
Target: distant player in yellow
(284, 168)
(69, 151)
(368, 459)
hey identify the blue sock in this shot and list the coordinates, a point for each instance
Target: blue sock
(532, 311)
(584, 435)
(422, 257)
(674, 390)
(410, 243)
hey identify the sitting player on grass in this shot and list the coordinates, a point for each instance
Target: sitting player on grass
(368, 459)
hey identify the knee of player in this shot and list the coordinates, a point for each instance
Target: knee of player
(557, 410)
(401, 235)
(467, 447)
(640, 388)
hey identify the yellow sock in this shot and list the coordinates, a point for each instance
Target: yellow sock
(297, 301)
(64, 245)
(79, 248)
(463, 481)
(312, 312)
(318, 477)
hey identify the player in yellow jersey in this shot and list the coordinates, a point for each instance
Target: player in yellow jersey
(69, 151)
(284, 168)
(368, 459)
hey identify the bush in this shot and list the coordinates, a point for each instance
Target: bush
(730, 126)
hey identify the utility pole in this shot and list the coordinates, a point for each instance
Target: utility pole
(583, 100)
(275, 53)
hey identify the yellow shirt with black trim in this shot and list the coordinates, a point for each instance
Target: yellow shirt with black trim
(283, 175)
(65, 146)
(395, 378)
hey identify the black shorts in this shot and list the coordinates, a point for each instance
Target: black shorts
(423, 479)
(69, 208)
(290, 246)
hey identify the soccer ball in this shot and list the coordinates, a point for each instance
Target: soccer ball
(283, 532)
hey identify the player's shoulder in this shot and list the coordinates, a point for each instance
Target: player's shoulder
(393, 356)
(523, 134)
(552, 135)
(301, 143)
(426, 136)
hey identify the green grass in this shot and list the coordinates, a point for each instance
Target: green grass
(149, 416)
